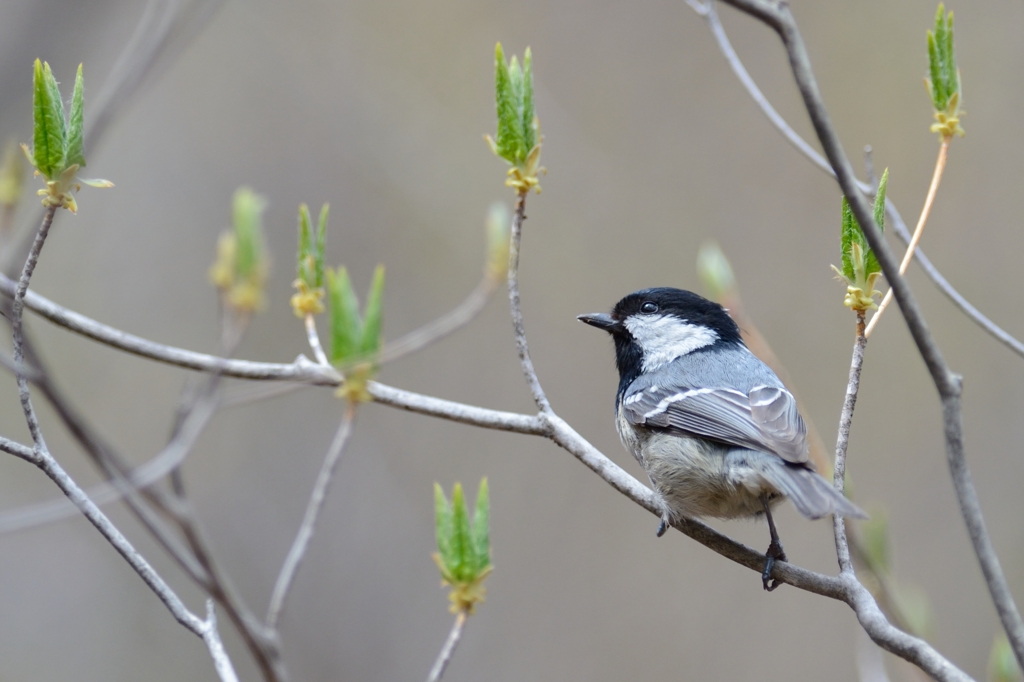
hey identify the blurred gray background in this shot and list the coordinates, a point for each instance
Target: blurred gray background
(652, 148)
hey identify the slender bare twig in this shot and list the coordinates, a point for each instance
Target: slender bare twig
(448, 649)
(314, 341)
(843, 441)
(297, 553)
(517, 314)
(263, 643)
(778, 16)
(202, 628)
(221, 662)
(915, 239)
(441, 327)
(18, 450)
(707, 11)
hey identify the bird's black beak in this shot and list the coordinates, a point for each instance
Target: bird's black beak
(601, 321)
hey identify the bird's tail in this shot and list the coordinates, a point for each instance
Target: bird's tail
(811, 494)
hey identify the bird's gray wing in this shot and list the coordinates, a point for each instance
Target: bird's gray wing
(765, 419)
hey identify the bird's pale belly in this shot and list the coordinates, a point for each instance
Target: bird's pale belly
(698, 478)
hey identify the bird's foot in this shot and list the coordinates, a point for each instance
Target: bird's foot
(774, 553)
(663, 526)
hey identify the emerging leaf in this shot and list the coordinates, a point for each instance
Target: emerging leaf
(861, 268)
(310, 266)
(498, 227)
(305, 264)
(1002, 664)
(57, 141)
(715, 271)
(12, 174)
(510, 133)
(321, 246)
(247, 213)
(241, 268)
(48, 120)
(346, 325)
(482, 529)
(463, 547)
(461, 566)
(443, 522)
(74, 153)
(371, 336)
(526, 115)
(518, 134)
(944, 81)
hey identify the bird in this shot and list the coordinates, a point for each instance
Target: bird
(717, 432)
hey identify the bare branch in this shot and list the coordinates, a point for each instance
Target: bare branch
(707, 11)
(778, 16)
(843, 441)
(297, 553)
(517, 314)
(56, 473)
(221, 662)
(314, 341)
(448, 649)
(18, 450)
(453, 320)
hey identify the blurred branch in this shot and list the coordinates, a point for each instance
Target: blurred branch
(707, 11)
(300, 545)
(843, 441)
(452, 321)
(777, 15)
(933, 189)
(445, 655)
(205, 629)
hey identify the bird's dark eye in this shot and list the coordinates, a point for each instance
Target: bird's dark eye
(649, 307)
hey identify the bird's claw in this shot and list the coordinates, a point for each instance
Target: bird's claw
(774, 553)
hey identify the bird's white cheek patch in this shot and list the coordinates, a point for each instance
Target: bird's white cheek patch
(665, 338)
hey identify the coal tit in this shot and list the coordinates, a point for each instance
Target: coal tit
(714, 428)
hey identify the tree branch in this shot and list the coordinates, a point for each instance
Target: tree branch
(843, 441)
(202, 628)
(778, 16)
(290, 567)
(517, 314)
(707, 11)
(445, 655)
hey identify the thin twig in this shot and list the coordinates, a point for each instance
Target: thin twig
(933, 189)
(124, 482)
(437, 329)
(314, 340)
(843, 441)
(297, 553)
(221, 662)
(56, 473)
(707, 11)
(445, 655)
(517, 314)
(778, 16)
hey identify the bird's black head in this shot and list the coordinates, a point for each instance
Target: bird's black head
(653, 327)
